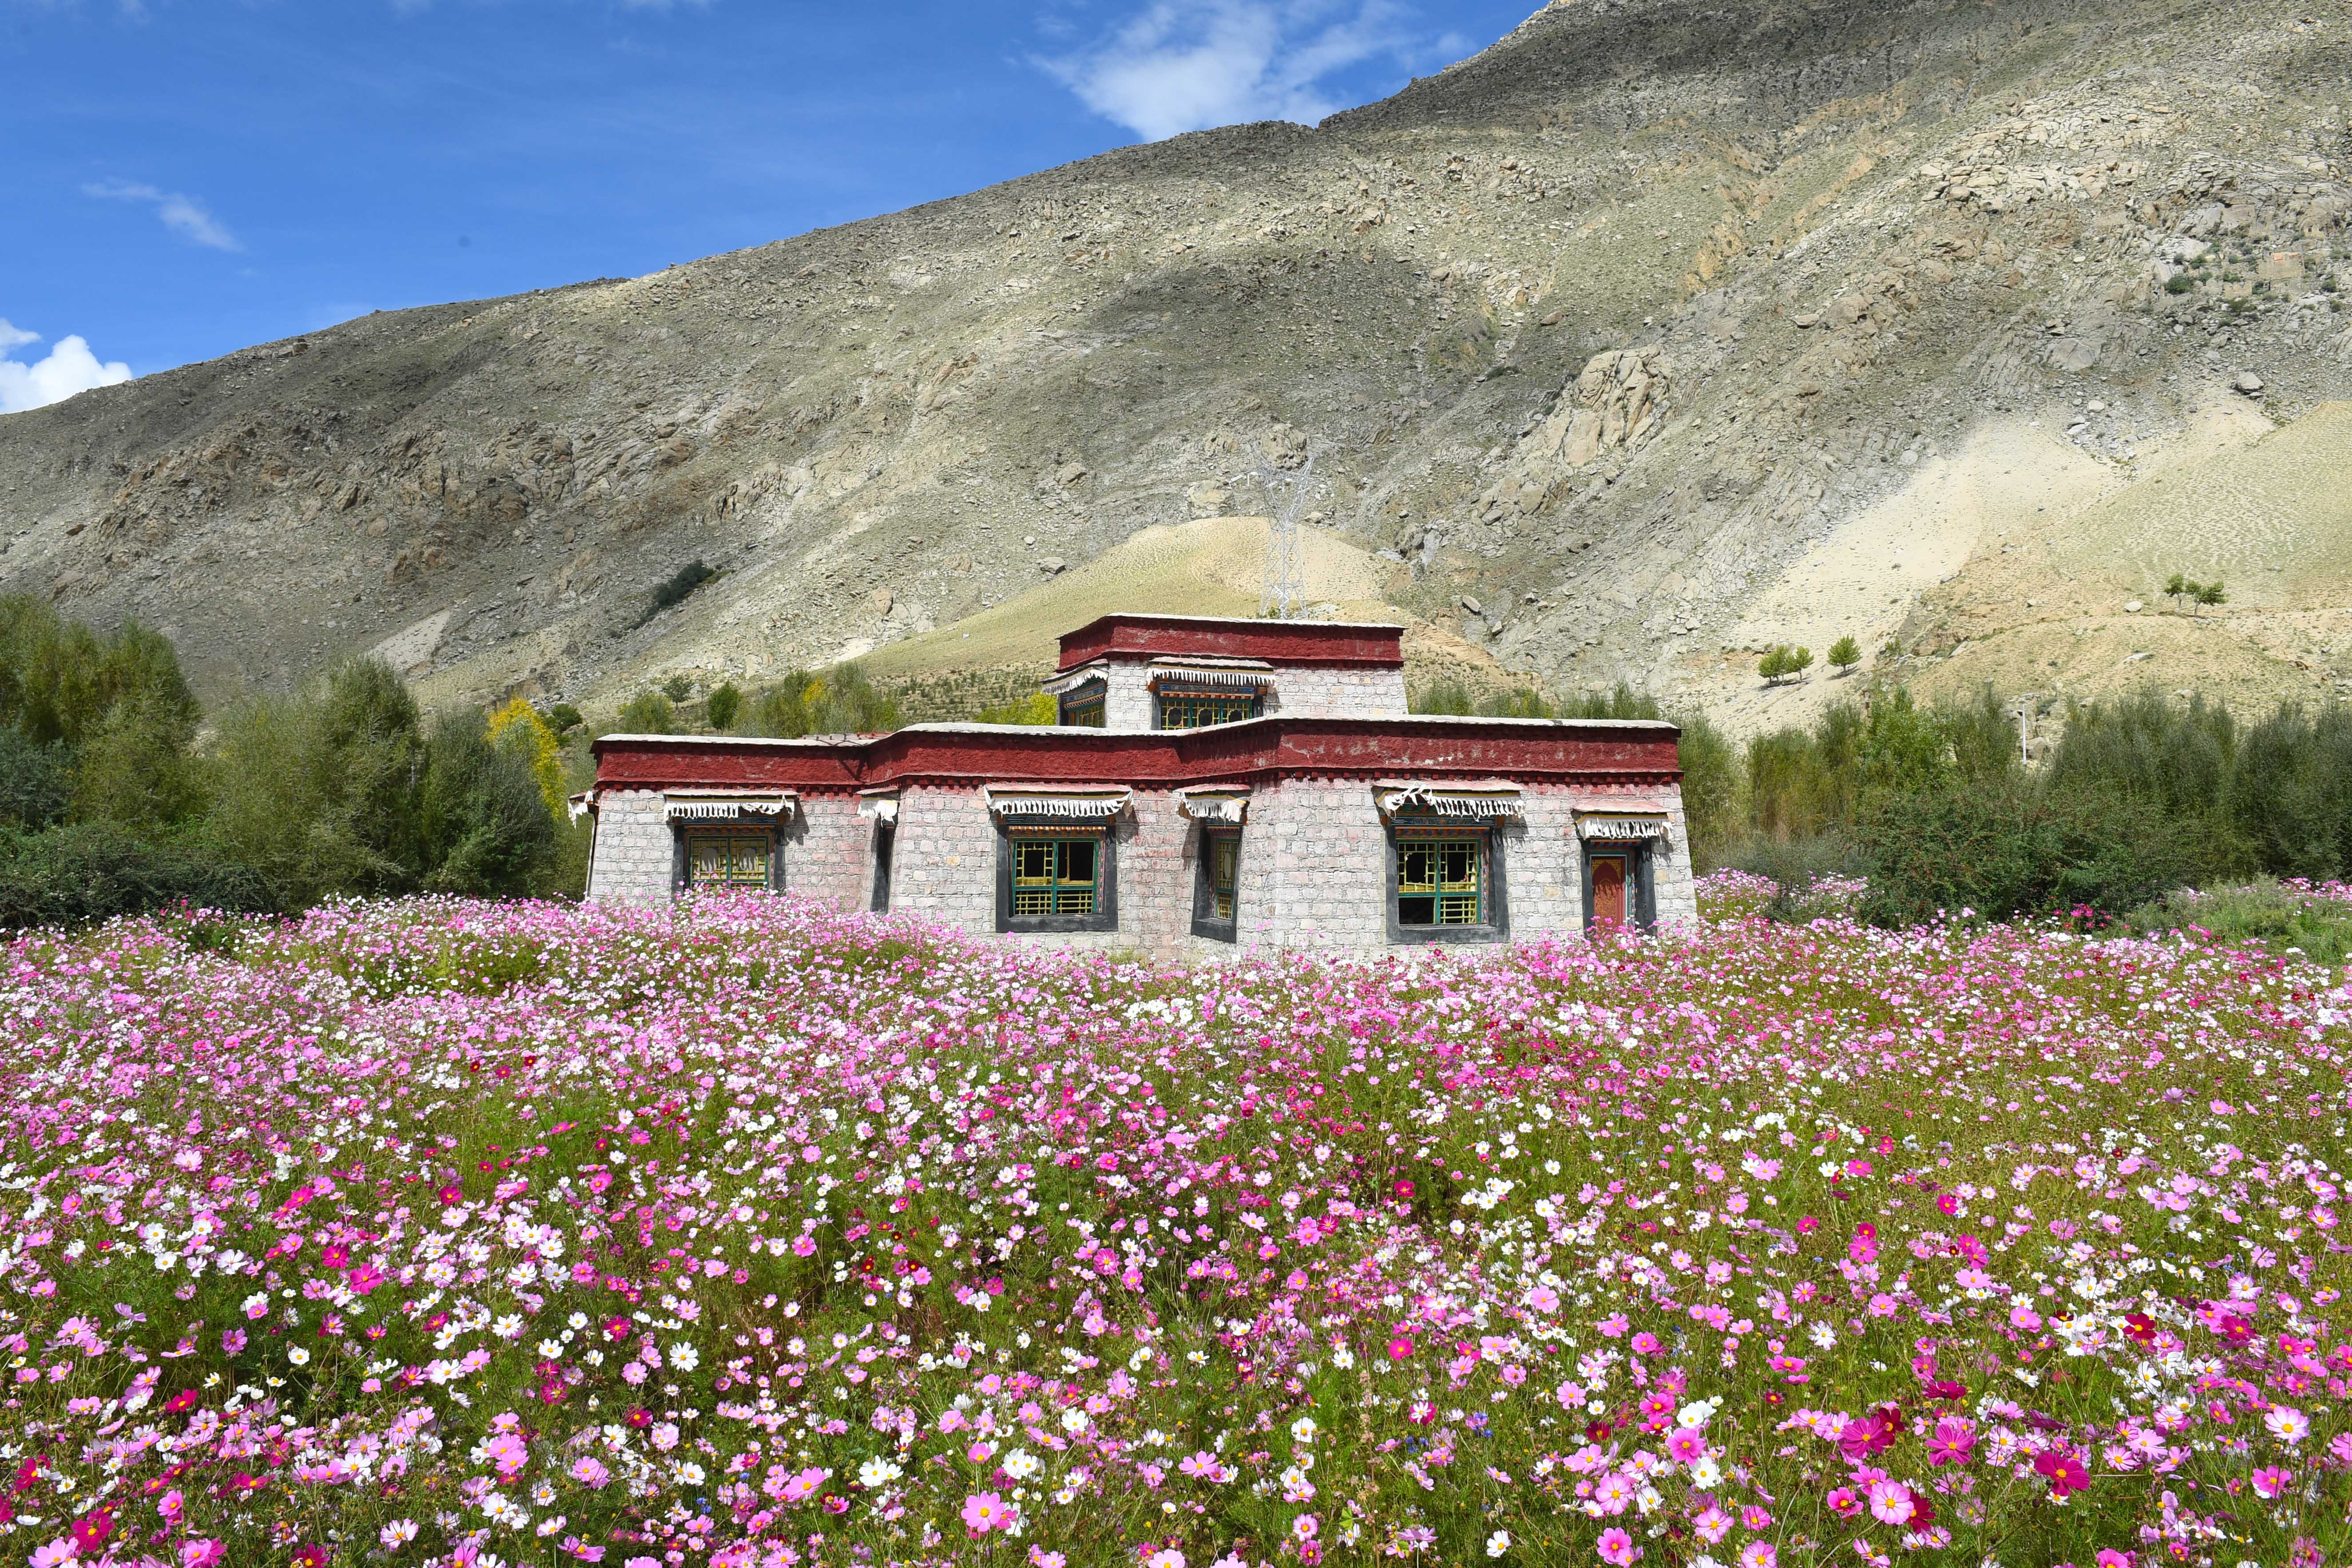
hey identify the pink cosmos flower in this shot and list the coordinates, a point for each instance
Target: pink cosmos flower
(1614, 1493)
(1688, 1445)
(590, 1472)
(1400, 1347)
(808, 1480)
(1200, 1466)
(2024, 1319)
(2109, 1557)
(1570, 1396)
(984, 1512)
(2287, 1424)
(2270, 1482)
(1842, 1500)
(1757, 1554)
(1953, 1442)
(1711, 1523)
(201, 1553)
(1617, 1548)
(2063, 1472)
(1754, 1516)
(1646, 1343)
(1890, 1502)
(1304, 1527)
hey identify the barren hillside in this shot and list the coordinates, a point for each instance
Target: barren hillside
(1651, 335)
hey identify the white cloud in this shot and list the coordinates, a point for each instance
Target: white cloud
(184, 215)
(69, 368)
(1185, 65)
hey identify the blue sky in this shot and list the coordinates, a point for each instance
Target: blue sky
(184, 177)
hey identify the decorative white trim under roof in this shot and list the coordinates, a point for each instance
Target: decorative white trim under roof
(879, 805)
(1632, 820)
(691, 804)
(1213, 803)
(1247, 675)
(1069, 681)
(1476, 799)
(1079, 802)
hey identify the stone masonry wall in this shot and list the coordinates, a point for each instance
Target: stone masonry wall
(1353, 693)
(634, 850)
(1313, 871)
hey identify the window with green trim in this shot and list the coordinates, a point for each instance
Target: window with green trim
(1441, 881)
(1083, 709)
(728, 857)
(1193, 710)
(1224, 870)
(1057, 875)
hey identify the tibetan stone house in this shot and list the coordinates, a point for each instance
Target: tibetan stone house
(1212, 785)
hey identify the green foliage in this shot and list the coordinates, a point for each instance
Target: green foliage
(1845, 653)
(2291, 791)
(675, 588)
(96, 870)
(723, 705)
(59, 680)
(677, 689)
(1445, 695)
(2012, 849)
(36, 782)
(564, 719)
(484, 824)
(1714, 790)
(317, 791)
(1038, 707)
(838, 702)
(133, 768)
(1624, 702)
(2262, 912)
(649, 713)
(2188, 591)
(1783, 661)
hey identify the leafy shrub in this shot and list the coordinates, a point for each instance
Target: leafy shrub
(36, 782)
(678, 688)
(1038, 707)
(674, 588)
(1783, 661)
(96, 870)
(563, 718)
(1845, 653)
(1445, 695)
(2000, 852)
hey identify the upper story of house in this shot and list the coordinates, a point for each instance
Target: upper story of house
(1140, 672)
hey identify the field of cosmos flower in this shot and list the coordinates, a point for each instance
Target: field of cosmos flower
(743, 1234)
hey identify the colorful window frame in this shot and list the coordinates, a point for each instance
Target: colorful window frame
(1446, 882)
(1057, 877)
(737, 857)
(1084, 708)
(1195, 708)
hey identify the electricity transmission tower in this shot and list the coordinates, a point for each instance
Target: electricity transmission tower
(1284, 576)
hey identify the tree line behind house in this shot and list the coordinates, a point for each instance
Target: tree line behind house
(118, 793)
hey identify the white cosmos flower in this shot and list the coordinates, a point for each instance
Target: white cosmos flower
(684, 1356)
(299, 1356)
(1021, 1464)
(881, 1472)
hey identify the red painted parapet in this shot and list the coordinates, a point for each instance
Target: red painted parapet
(1325, 643)
(1526, 750)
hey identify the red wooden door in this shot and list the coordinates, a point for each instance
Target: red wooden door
(1609, 888)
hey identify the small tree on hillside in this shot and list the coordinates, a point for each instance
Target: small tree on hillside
(649, 713)
(723, 705)
(1783, 662)
(1845, 653)
(2211, 593)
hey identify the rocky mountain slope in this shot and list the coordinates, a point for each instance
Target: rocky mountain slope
(1651, 335)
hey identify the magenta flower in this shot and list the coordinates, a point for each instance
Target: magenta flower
(1617, 1548)
(1953, 1442)
(2270, 1482)
(2064, 1473)
(1686, 1445)
(1757, 1554)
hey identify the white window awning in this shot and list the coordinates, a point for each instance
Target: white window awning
(1213, 803)
(1474, 802)
(878, 805)
(1078, 803)
(1621, 823)
(1240, 674)
(1076, 679)
(766, 807)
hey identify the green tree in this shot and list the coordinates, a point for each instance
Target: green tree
(1447, 694)
(486, 828)
(723, 705)
(517, 728)
(649, 713)
(2211, 593)
(1845, 653)
(838, 702)
(678, 688)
